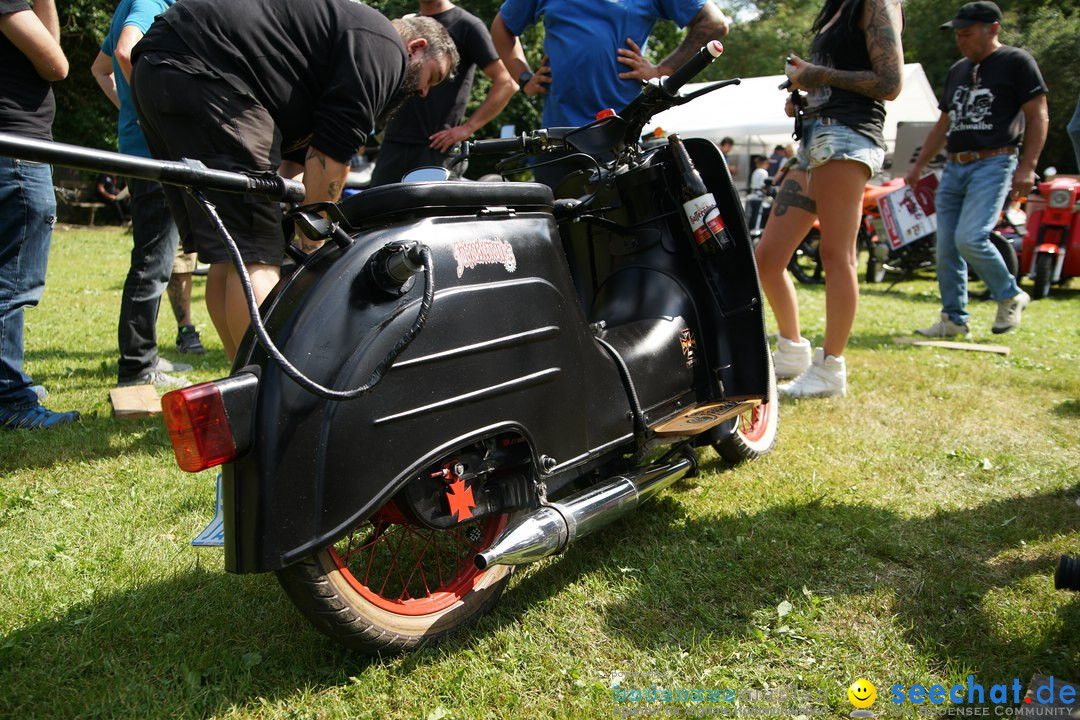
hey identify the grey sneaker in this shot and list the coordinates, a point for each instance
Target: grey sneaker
(157, 378)
(945, 328)
(1008, 313)
(791, 358)
(826, 377)
(167, 366)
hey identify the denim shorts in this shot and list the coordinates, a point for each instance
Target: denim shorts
(825, 139)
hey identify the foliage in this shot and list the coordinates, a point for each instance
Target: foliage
(84, 116)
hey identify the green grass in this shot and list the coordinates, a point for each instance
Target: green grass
(906, 534)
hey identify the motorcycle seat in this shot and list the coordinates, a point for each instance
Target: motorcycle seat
(380, 204)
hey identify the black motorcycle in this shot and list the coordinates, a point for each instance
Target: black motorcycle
(470, 376)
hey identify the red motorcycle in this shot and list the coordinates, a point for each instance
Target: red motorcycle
(1051, 248)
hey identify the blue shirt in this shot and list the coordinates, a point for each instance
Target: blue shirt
(140, 14)
(581, 40)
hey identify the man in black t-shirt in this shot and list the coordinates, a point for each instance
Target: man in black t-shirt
(30, 59)
(423, 132)
(244, 84)
(994, 97)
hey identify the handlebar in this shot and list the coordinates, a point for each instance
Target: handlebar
(186, 173)
(701, 60)
(613, 133)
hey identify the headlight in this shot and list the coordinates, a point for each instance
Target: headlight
(1060, 198)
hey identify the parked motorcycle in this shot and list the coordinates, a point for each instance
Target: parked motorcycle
(470, 376)
(884, 259)
(1051, 247)
(806, 265)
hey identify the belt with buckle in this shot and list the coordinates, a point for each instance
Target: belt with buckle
(969, 156)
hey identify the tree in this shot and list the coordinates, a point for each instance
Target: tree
(84, 116)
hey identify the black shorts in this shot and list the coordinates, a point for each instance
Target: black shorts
(188, 112)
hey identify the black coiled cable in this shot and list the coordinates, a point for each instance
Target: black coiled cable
(264, 338)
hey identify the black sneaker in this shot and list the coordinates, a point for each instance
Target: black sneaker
(35, 418)
(187, 341)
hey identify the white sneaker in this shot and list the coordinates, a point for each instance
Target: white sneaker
(1008, 313)
(946, 328)
(791, 358)
(826, 377)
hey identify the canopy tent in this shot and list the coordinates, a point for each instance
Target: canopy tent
(752, 114)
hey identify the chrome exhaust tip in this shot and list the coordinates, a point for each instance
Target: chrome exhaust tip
(552, 527)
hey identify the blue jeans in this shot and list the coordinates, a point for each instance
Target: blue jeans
(27, 216)
(968, 202)
(155, 239)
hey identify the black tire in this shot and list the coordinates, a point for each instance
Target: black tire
(1007, 252)
(754, 433)
(1044, 271)
(875, 269)
(805, 263)
(404, 612)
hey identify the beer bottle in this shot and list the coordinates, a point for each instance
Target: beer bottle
(698, 203)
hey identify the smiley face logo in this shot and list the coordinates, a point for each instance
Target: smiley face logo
(862, 693)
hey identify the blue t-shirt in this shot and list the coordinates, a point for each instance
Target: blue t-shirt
(581, 40)
(140, 14)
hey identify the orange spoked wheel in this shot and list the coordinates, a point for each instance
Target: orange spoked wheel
(392, 584)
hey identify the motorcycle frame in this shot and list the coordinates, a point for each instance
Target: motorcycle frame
(288, 495)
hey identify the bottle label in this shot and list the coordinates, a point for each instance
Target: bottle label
(705, 220)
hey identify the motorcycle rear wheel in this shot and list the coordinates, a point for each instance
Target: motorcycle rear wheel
(393, 585)
(755, 431)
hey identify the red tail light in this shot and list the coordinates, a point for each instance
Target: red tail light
(198, 427)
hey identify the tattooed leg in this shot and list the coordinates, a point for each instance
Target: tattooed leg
(791, 195)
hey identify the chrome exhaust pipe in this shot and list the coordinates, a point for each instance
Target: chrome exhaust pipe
(552, 527)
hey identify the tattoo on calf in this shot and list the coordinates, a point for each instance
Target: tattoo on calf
(790, 196)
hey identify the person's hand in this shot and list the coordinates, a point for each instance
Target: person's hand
(538, 83)
(789, 107)
(913, 177)
(446, 139)
(795, 68)
(639, 67)
(1022, 183)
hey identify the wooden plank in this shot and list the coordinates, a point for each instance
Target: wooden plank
(953, 345)
(135, 401)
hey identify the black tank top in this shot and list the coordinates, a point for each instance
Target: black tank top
(843, 46)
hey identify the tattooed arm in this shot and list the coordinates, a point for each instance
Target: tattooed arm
(882, 22)
(324, 178)
(708, 24)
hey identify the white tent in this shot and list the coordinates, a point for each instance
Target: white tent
(752, 114)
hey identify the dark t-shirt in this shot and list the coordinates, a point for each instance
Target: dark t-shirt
(984, 100)
(444, 106)
(27, 106)
(843, 46)
(323, 69)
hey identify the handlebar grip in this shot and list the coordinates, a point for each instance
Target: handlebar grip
(498, 146)
(701, 60)
(275, 187)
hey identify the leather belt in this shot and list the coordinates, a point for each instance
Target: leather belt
(969, 156)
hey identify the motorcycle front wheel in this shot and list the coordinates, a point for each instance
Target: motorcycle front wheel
(1044, 271)
(805, 263)
(755, 430)
(393, 585)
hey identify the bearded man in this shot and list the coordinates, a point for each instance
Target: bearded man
(246, 84)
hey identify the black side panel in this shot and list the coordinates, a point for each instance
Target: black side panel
(636, 270)
(506, 348)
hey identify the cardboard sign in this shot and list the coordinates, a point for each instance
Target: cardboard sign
(908, 212)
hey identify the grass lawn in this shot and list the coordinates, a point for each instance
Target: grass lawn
(907, 534)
